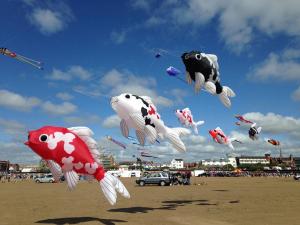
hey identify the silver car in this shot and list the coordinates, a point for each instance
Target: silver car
(48, 178)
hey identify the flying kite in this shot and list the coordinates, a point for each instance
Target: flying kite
(254, 132)
(273, 142)
(157, 55)
(140, 113)
(116, 142)
(146, 154)
(136, 142)
(219, 137)
(6, 52)
(242, 119)
(186, 118)
(69, 151)
(172, 71)
(203, 69)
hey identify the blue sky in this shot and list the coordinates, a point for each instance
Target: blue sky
(97, 50)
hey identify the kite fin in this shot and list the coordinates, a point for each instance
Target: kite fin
(199, 123)
(188, 77)
(199, 81)
(138, 121)
(71, 178)
(140, 136)
(110, 185)
(151, 133)
(259, 130)
(55, 169)
(173, 134)
(124, 128)
(224, 96)
(210, 87)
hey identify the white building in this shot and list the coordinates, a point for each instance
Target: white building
(253, 160)
(220, 162)
(176, 164)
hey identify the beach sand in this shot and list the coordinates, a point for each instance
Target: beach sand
(208, 201)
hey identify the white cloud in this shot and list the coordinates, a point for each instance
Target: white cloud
(64, 96)
(59, 109)
(278, 67)
(275, 124)
(12, 127)
(296, 94)
(51, 19)
(17, 153)
(237, 21)
(141, 4)
(111, 121)
(118, 83)
(74, 71)
(82, 120)
(118, 37)
(15, 101)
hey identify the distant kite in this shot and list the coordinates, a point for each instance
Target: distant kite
(273, 142)
(6, 52)
(116, 142)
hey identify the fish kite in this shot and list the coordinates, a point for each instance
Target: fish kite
(219, 137)
(6, 52)
(146, 154)
(203, 69)
(116, 142)
(273, 142)
(242, 119)
(254, 132)
(172, 71)
(69, 151)
(186, 118)
(139, 113)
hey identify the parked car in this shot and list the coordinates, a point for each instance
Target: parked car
(297, 177)
(159, 178)
(44, 179)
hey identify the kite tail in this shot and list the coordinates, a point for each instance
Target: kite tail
(199, 123)
(225, 95)
(110, 185)
(173, 134)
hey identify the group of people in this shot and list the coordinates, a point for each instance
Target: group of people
(181, 178)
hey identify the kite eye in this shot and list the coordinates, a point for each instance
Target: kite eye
(127, 96)
(198, 56)
(43, 137)
(180, 111)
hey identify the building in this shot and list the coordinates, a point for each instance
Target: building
(220, 162)
(177, 164)
(4, 166)
(248, 160)
(108, 161)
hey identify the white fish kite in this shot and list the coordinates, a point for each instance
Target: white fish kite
(186, 118)
(139, 113)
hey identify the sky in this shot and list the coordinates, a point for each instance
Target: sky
(93, 51)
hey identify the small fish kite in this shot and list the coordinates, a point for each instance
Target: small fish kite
(219, 136)
(116, 142)
(242, 119)
(273, 142)
(6, 52)
(186, 118)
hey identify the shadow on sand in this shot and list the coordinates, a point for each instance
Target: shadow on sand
(166, 205)
(78, 220)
